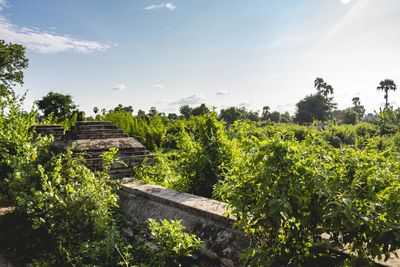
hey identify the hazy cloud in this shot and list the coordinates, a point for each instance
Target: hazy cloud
(245, 104)
(3, 4)
(45, 42)
(159, 86)
(169, 6)
(190, 100)
(223, 92)
(345, 1)
(119, 87)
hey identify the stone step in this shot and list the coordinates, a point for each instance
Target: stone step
(93, 127)
(121, 153)
(95, 135)
(94, 131)
(93, 123)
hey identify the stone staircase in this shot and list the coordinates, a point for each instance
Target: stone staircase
(96, 137)
(56, 130)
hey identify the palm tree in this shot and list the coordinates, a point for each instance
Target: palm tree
(323, 88)
(386, 85)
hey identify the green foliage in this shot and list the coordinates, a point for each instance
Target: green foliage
(61, 106)
(164, 170)
(174, 244)
(200, 110)
(312, 107)
(340, 135)
(57, 196)
(205, 150)
(388, 121)
(232, 114)
(286, 193)
(149, 130)
(12, 64)
(351, 116)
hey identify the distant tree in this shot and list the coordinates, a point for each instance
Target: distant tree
(312, 107)
(12, 64)
(153, 111)
(103, 111)
(350, 116)
(120, 107)
(357, 107)
(172, 116)
(186, 111)
(275, 116)
(230, 115)
(265, 113)
(253, 116)
(286, 118)
(60, 105)
(141, 113)
(323, 88)
(96, 110)
(200, 110)
(385, 86)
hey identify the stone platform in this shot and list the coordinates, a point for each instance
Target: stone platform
(222, 244)
(96, 137)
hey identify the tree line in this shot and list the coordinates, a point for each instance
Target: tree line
(319, 106)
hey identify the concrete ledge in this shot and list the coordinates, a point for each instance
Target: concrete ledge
(202, 216)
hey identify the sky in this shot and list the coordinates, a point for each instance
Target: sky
(223, 53)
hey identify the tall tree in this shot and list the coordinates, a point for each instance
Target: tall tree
(230, 115)
(200, 110)
(323, 88)
(153, 111)
(357, 107)
(12, 64)
(385, 86)
(265, 112)
(312, 107)
(186, 111)
(60, 105)
(96, 110)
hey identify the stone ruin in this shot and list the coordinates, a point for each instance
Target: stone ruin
(94, 138)
(55, 130)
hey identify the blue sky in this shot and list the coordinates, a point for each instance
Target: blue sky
(168, 53)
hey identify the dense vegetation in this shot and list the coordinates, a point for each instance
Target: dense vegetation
(299, 191)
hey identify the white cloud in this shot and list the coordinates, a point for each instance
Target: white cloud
(159, 86)
(190, 100)
(245, 104)
(3, 4)
(223, 92)
(119, 87)
(169, 6)
(345, 1)
(45, 42)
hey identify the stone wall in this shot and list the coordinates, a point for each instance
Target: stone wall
(202, 216)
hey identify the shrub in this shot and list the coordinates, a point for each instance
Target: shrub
(286, 193)
(174, 245)
(204, 151)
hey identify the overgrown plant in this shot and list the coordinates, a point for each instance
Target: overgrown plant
(286, 194)
(175, 246)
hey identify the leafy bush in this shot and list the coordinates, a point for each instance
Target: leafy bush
(58, 196)
(174, 245)
(151, 131)
(340, 135)
(286, 194)
(205, 151)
